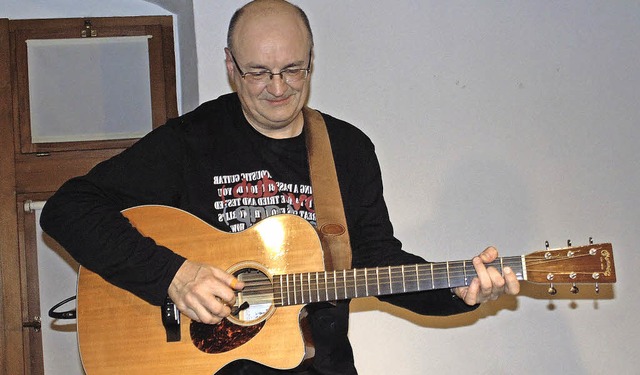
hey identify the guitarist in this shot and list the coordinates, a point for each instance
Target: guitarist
(232, 162)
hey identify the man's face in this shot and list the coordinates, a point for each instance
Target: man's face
(272, 43)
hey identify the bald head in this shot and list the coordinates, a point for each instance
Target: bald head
(262, 10)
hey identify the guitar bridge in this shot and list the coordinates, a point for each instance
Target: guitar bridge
(171, 320)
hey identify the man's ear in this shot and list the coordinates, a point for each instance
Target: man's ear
(229, 63)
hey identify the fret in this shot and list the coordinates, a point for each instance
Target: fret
(410, 279)
(278, 299)
(404, 283)
(433, 281)
(317, 288)
(355, 283)
(337, 279)
(464, 269)
(295, 292)
(288, 292)
(350, 283)
(396, 279)
(471, 272)
(302, 290)
(424, 276)
(326, 286)
(517, 265)
(384, 282)
(310, 291)
(390, 280)
(322, 285)
(331, 286)
(439, 275)
(448, 276)
(307, 290)
(366, 281)
(458, 278)
(344, 283)
(364, 286)
(335, 286)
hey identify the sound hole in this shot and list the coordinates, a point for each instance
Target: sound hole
(255, 302)
(254, 305)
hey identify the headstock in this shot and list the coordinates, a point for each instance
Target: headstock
(592, 263)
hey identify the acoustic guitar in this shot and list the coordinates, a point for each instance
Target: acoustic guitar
(280, 259)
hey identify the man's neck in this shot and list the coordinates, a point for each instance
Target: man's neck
(291, 130)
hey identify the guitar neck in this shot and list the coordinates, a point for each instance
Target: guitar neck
(308, 287)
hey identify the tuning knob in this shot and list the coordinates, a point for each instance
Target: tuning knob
(574, 289)
(552, 290)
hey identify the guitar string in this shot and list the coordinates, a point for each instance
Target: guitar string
(384, 271)
(260, 286)
(396, 276)
(396, 272)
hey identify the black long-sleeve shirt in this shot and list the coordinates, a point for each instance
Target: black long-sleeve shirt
(212, 163)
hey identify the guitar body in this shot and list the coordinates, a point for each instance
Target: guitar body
(119, 333)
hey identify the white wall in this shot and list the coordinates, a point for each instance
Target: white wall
(506, 123)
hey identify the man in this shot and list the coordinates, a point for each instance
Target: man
(204, 161)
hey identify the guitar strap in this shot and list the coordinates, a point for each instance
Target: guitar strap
(327, 200)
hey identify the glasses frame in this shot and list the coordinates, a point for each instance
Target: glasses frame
(270, 73)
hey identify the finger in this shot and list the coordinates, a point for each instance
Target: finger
(230, 281)
(485, 284)
(497, 279)
(470, 296)
(489, 254)
(213, 311)
(200, 313)
(498, 284)
(512, 286)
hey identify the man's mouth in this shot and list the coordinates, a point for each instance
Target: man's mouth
(279, 101)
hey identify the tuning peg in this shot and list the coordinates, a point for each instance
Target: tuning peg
(597, 288)
(569, 243)
(546, 245)
(574, 289)
(552, 290)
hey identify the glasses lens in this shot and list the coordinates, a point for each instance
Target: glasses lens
(288, 75)
(294, 75)
(258, 77)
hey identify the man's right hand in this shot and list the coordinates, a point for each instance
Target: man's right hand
(204, 293)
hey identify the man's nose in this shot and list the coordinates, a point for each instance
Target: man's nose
(277, 85)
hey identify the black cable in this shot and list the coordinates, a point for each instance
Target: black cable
(69, 314)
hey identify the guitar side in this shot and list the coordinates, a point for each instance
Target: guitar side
(120, 333)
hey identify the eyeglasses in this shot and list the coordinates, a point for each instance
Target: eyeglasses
(263, 77)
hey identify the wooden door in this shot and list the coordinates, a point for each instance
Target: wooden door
(34, 170)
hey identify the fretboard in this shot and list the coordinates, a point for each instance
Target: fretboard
(308, 287)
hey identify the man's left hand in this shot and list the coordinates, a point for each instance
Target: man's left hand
(490, 283)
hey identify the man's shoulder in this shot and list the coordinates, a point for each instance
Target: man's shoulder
(213, 114)
(224, 105)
